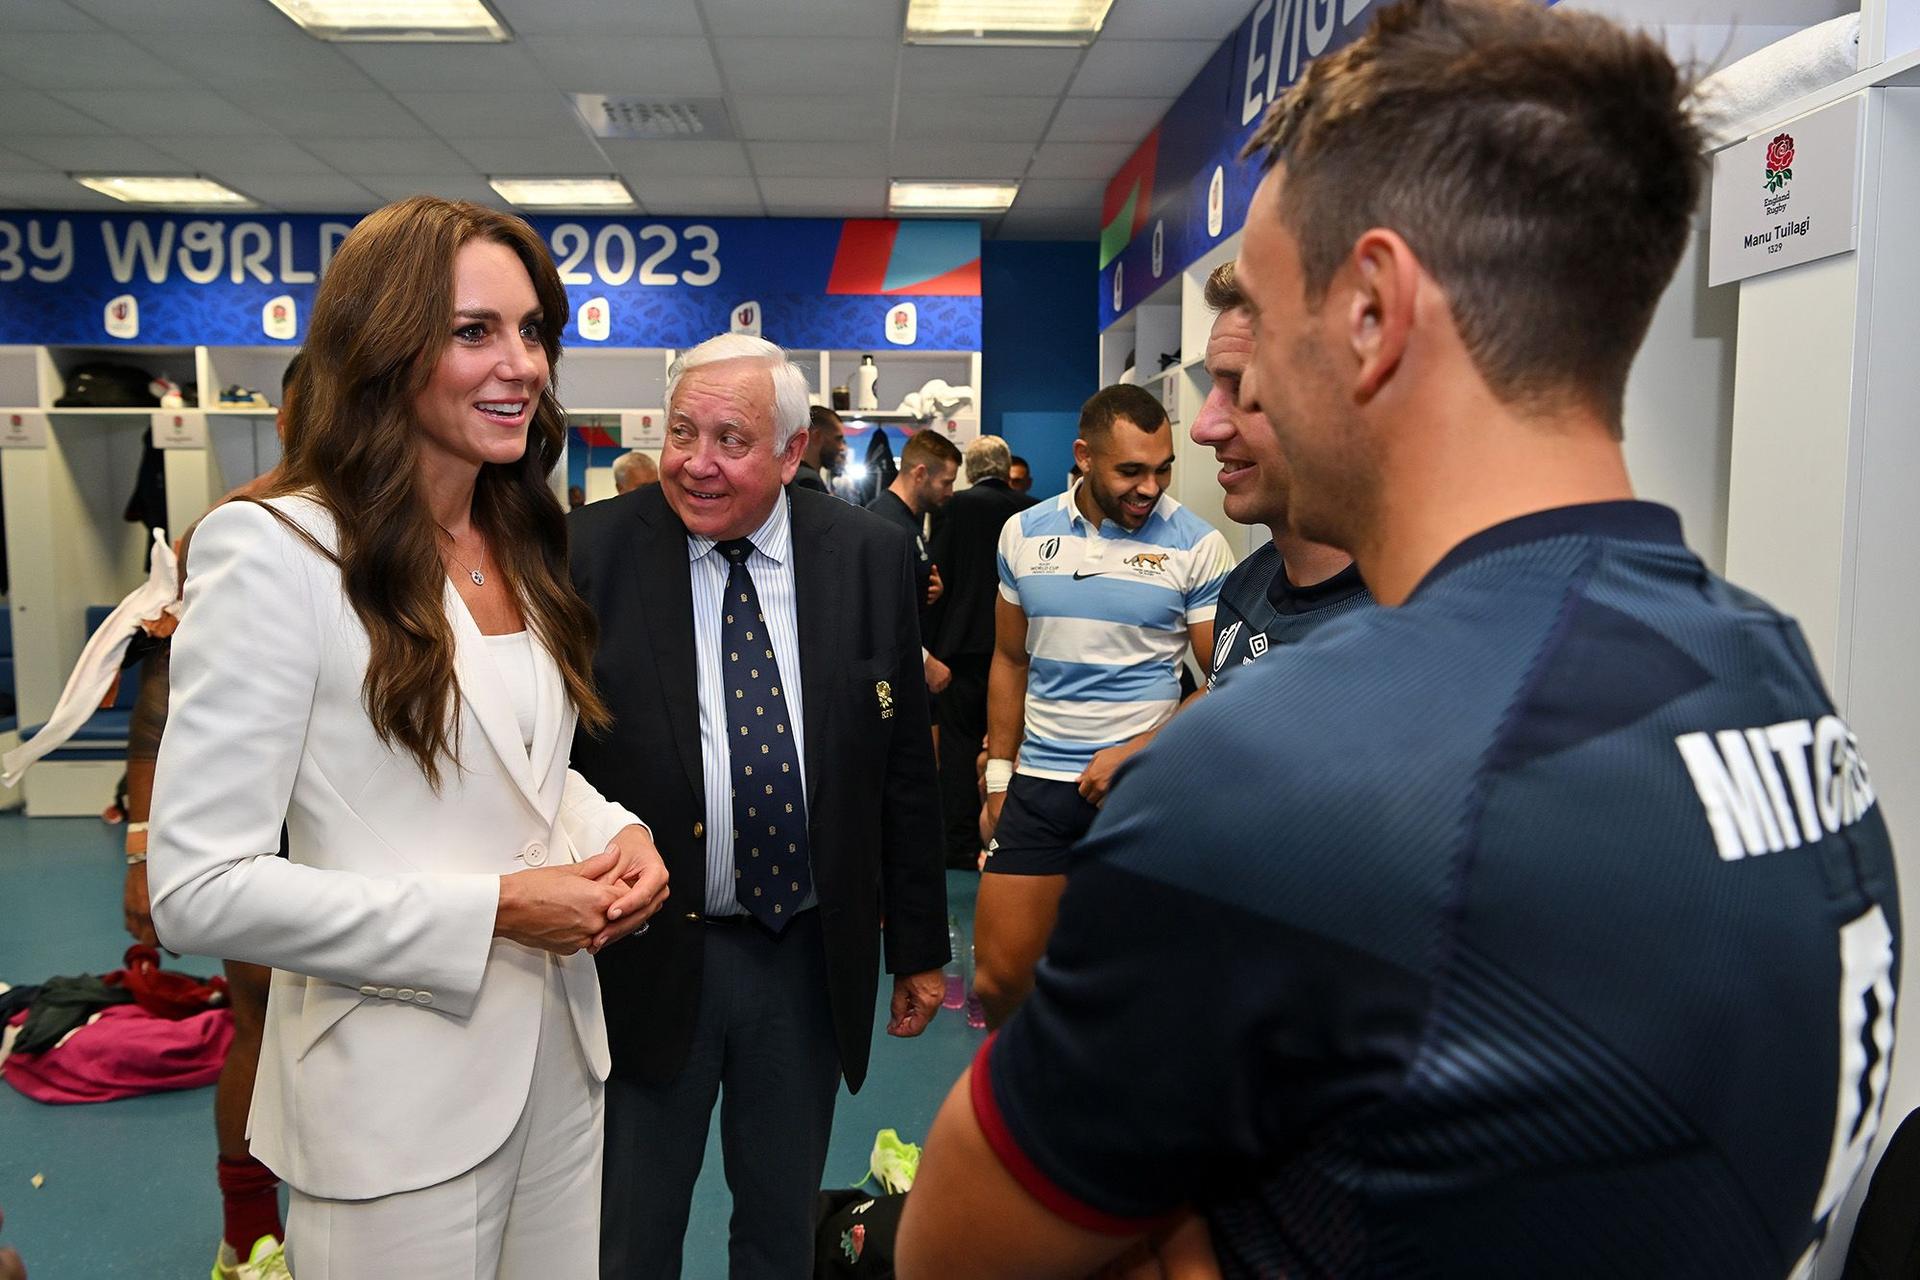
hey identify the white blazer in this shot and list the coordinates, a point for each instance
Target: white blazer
(400, 1033)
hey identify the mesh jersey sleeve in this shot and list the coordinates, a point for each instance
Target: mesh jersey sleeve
(1212, 561)
(1005, 555)
(1183, 1035)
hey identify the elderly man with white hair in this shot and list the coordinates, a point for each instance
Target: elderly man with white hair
(760, 651)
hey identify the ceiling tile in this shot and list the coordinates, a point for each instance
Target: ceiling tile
(876, 19)
(853, 192)
(805, 64)
(28, 111)
(1080, 159)
(94, 60)
(1141, 68)
(306, 191)
(14, 162)
(961, 160)
(450, 186)
(43, 15)
(1212, 20)
(52, 191)
(601, 17)
(134, 110)
(697, 193)
(1060, 193)
(980, 119)
(386, 155)
(985, 69)
(426, 68)
(282, 58)
(818, 159)
(679, 208)
(256, 154)
(646, 159)
(220, 17)
(95, 155)
(532, 157)
(852, 119)
(1106, 119)
(671, 67)
(303, 112)
(496, 115)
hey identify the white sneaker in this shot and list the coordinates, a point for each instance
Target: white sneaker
(267, 1260)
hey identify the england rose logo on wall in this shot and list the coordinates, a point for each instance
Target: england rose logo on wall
(1779, 162)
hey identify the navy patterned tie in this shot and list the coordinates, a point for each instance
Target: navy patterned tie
(770, 872)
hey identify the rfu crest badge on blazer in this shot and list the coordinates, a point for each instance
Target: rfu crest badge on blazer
(883, 691)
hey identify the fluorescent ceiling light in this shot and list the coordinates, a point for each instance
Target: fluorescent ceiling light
(1005, 21)
(950, 197)
(564, 193)
(464, 20)
(147, 189)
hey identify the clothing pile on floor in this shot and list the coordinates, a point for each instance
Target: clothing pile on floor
(140, 1029)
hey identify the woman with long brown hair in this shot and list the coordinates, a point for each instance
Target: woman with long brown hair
(387, 652)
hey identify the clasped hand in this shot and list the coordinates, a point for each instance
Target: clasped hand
(588, 904)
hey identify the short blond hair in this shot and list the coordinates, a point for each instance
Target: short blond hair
(986, 457)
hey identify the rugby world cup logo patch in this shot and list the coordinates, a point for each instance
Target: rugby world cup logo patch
(1779, 161)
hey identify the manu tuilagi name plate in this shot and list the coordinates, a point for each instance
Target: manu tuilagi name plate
(1788, 196)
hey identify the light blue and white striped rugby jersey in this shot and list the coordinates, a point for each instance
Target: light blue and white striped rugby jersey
(1107, 617)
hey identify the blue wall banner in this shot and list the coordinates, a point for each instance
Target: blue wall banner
(1185, 188)
(155, 279)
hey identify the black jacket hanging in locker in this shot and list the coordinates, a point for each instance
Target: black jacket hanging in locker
(148, 503)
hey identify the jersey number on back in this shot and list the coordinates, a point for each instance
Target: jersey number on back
(1866, 1046)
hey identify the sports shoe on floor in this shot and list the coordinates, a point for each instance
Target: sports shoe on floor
(894, 1163)
(267, 1260)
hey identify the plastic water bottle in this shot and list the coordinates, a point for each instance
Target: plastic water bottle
(956, 982)
(976, 1012)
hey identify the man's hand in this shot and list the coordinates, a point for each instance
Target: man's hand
(136, 907)
(642, 878)
(916, 999)
(939, 675)
(559, 909)
(934, 585)
(1097, 779)
(1183, 1251)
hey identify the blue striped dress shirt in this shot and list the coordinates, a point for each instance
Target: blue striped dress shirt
(771, 565)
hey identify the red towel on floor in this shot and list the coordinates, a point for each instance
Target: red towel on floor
(122, 1053)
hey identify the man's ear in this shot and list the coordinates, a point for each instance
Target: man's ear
(1082, 455)
(1383, 288)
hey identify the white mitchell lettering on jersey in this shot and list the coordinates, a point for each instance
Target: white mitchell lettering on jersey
(1779, 786)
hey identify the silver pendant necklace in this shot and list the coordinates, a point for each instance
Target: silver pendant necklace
(479, 578)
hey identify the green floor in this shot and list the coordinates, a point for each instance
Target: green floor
(129, 1191)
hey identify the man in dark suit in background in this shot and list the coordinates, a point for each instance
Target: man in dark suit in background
(760, 653)
(966, 536)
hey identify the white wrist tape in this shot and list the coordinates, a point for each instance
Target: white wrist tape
(999, 774)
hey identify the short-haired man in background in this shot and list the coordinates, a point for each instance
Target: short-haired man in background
(928, 464)
(634, 469)
(1290, 587)
(959, 630)
(1019, 475)
(1558, 933)
(1101, 592)
(826, 449)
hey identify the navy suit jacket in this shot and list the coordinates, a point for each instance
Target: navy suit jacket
(873, 808)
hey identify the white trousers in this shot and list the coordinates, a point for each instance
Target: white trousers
(529, 1211)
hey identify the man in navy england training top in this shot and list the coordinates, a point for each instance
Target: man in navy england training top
(1557, 934)
(1289, 588)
